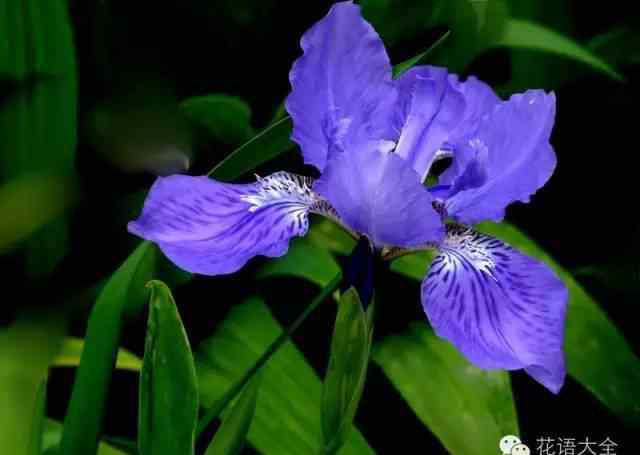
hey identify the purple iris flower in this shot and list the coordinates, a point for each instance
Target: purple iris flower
(374, 141)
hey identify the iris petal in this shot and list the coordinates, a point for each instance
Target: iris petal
(342, 91)
(500, 308)
(519, 158)
(214, 228)
(429, 110)
(378, 194)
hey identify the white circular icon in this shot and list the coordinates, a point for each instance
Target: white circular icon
(520, 449)
(507, 443)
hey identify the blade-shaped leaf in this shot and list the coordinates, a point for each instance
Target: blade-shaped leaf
(266, 145)
(304, 260)
(124, 293)
(522, 34)
(287, 417)
(168, 385)
(39, 420)
(53, 434)
(230, 437)
(227, 118)
(447, 393)
(344, 381)
(598, 356)
(71, 351)
(402, 67)
(26, 350)
(38, 118)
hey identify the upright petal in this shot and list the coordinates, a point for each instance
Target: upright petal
(428, 111)
(378, 194)
(500, 308)
(341, 86)
(479, 101)
(519, 158)
(214, 228)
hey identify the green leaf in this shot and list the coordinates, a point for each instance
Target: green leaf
(447, 393)
(28, 204)
(347, 370)
(402, 67)
(168, 385)
(69, 356)
(597, 354)
(413, 265)
(227, 118)
(304, 260)
(287, 417)
(39, 420)
(522, 34)
(328, 235)
(26, 350)
(38, 118)
(53, 434)
(266, 145)
(124, 294)
(230, 437)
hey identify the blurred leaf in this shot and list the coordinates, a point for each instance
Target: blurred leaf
(329, 235)
(400, 68)
(266, 145)
(39, 420)
(473, 24)
(168, 386)
(413, 265)
(619, 276)
(227, 118)
(620, 46)
(71, 351)
(124, 294)
(287, 418)
(229, 438)
(28, 203)
(598, 356)
(38, 118)
(345, 378)
(53, 434)
(304, 260)
(26, 350)
(398, 20)
(447, 393)
(522, 34)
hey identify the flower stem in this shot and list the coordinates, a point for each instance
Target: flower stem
(222, 403)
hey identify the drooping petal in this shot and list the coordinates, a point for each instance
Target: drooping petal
(428, 111)
(500, 308)
(377, 193)
(214, 228)
(519, 158)
(342, 90)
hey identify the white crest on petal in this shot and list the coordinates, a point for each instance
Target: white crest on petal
(464, 239)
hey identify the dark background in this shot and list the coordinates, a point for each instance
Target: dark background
(138, 59)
